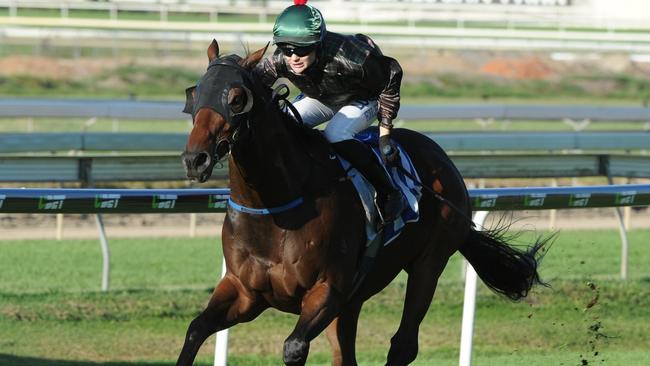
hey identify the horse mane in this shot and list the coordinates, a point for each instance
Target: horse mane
(306, 136)
(310, 140)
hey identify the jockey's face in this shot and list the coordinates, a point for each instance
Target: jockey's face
(298, 63)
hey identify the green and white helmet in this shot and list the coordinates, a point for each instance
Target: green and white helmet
(299, 25)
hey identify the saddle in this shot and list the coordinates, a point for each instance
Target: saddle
(411, 190)
(382, 235)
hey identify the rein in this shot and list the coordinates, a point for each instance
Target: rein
(278, 95)
(224, 146)
(241, 122)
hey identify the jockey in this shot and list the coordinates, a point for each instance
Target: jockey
(345, 80)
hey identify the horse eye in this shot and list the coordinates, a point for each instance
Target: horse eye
(236, 99)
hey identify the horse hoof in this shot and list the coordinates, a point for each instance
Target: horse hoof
(295, 352)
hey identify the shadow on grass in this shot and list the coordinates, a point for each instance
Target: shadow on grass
(12, 360)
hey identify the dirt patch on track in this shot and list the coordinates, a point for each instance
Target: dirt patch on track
(523, 68)
(80, 68)
(51, 68)
(416, 64)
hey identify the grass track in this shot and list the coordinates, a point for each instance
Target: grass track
(52, 314)
(105, 125)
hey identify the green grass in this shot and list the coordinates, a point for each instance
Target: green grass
(72, 265)
(51, 312)
(107, 125)
(576, 86)
(98, 125)
(169, 83)
(121, 82)
(166, 82)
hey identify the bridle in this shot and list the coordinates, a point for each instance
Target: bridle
(221, 77)
(212, 91)
(230, 74)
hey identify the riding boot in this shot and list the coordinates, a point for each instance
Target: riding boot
(389, 198)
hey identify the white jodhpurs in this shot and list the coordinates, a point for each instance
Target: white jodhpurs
(344, 122)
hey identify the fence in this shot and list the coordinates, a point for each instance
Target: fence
(510, 13)
(112, 201)
(416, 25)
(215, 200)
(91, 169)
(161, 110)
(527, 155)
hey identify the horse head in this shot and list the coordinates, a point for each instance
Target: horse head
(220, 104)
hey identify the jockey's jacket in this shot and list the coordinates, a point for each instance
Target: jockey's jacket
(347, 69)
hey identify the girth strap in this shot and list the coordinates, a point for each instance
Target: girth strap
(266, 211)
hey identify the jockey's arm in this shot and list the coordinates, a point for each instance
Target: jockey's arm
(383, 75)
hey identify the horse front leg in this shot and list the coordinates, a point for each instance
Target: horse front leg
(229, 304)
(320, 306)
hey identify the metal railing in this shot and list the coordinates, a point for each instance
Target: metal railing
(163, 110)
(111, 201)
(558, 14)
(89, 170)
(477, 26)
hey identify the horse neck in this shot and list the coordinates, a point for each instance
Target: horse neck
(267, 169)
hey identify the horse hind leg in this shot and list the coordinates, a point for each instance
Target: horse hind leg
(342, 333)
(421, 285)
(227, 307)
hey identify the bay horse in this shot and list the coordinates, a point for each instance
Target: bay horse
(294, 231)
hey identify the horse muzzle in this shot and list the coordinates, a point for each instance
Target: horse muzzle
(198, 165)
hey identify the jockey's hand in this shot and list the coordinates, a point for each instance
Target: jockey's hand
(389, 152)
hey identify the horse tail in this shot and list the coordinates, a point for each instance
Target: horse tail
(505, 269)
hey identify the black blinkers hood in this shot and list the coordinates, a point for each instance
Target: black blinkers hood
(212, 89)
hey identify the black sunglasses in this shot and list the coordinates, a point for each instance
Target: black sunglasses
(298, 51)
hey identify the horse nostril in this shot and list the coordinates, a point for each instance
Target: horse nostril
(202, 160)
(187, 160)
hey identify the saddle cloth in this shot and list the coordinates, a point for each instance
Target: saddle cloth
(410, 189)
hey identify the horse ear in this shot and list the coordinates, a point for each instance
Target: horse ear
(251, 60)
(213, 50)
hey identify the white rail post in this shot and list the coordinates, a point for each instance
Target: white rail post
(106, 255)
(552, 217)
(59, 226)
(625, 244)
(221, 343)
(192, 232)
(112, 12)
(59, 223)
(469, 304)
